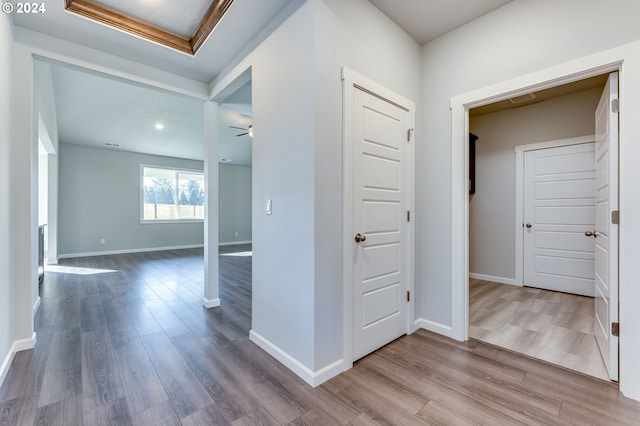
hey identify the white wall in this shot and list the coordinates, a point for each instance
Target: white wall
(100, 198)
(493, 207)
(45, 105)
(6, 46)
(43, 186)
(297, 272)
(522, 37)
(23, 204)
(234, 209)
(283, 142)
(45, 111)
(357, 35)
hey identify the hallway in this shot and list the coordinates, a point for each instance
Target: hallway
(125, 340)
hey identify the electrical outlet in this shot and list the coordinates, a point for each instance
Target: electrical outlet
(101, 240)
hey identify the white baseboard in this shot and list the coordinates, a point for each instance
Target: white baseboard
(127, 251)
(4, 368)
(445, 330)
(25, 344)
(310, 377)
(210, 303)
(17, 346)
(233, 243)
(501, 280)
(36, 306)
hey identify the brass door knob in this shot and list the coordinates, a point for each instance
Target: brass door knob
(360, 237)
(528, 225)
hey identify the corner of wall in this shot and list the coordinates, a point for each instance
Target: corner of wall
(312, 378)
(434, 327)
(17, 346)
(6, 105)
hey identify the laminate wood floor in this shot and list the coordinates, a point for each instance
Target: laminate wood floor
(548, 325)
(124, 340)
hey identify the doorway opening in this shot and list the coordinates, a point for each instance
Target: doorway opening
(535, 157)
(235, 168)
(235, 205)
(123, 171)
(235, 196)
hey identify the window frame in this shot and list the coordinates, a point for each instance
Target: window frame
(176, 171)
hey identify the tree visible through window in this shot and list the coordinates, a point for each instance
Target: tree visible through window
(170, 194)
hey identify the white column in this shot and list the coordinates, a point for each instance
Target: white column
(23, 201)
(52, 225)
(211, 297)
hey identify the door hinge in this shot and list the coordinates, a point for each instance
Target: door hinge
(615, 329)
(409, 134)
(615, 105)
(615, 217)
(408, 216)
(408, 296)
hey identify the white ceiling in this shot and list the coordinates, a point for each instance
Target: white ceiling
(240, 100)
(244, 20)
(235, 111)
(94, 109)
(425, 20)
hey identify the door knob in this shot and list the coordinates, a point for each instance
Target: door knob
(593, 234)
(360, 237)
(528, 225)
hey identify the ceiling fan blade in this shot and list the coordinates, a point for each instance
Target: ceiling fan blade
(239, 128)
(242, 134)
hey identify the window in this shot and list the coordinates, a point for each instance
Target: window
(171, 195)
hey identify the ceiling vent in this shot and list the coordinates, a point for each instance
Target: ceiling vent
(522, 99)
(112, 145)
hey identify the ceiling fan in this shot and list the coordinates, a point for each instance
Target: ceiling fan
(248, 131)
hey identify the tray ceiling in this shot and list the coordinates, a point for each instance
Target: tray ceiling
(183, 25)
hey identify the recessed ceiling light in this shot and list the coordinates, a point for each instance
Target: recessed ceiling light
(159, 126)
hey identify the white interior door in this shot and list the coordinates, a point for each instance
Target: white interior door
(559, 215)
(606, 267)
(379, 219)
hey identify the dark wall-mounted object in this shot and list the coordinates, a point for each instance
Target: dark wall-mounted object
(472, 163)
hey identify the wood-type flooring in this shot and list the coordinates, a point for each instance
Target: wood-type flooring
(124, 340)
(548, 325)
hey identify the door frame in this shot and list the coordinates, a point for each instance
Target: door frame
(212, 169)
(520, 150)
(570, 72)
(351, 80)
